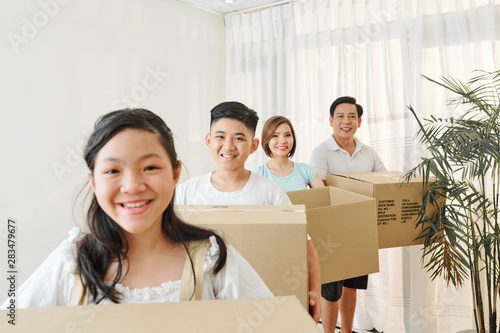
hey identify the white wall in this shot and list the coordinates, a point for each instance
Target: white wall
(66, 62)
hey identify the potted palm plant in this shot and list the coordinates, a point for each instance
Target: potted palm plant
(462, 240)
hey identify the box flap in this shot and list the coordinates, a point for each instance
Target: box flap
(243, 214)
(319, 197)
(324, 196)
(343, 228)
(385, 177)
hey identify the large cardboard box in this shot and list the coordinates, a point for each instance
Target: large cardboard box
(397, 204)
(343, 228)
(272, 239)
(256, 315)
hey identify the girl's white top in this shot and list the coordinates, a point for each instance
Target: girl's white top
(51, 284)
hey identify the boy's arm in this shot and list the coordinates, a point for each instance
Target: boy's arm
(281, 198)
(314, 282)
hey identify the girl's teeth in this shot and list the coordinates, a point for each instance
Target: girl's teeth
(135, 204)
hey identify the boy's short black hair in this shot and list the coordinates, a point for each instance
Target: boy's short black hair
(235, 110)
(348, 100)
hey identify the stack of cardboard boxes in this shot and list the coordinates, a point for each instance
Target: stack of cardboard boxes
(348, 221)
(359, 213)
(272, 239)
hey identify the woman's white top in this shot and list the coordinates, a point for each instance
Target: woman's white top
(51, 284)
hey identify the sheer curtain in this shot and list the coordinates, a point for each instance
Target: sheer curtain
(295, 59)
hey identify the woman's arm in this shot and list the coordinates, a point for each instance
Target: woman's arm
(317, 182)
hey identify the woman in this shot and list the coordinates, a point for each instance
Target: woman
(279, 143)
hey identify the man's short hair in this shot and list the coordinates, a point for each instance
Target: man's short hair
(347, 100)
(237, 111)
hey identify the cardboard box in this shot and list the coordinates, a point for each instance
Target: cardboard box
(343, 228)
(272, 239)
(397, 204)
(257, 315)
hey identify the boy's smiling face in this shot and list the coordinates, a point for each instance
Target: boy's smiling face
(230, 143)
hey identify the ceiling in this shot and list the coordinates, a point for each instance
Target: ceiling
(224, 7)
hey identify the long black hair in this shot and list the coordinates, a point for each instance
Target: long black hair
(106, 241)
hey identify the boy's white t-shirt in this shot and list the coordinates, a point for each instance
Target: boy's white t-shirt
(258, 191)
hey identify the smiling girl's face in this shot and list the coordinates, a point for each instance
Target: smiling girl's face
(134, 181)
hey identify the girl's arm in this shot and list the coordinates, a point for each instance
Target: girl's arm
(238, 279)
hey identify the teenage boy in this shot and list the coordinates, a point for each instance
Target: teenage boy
(231, 140)
(342, 152)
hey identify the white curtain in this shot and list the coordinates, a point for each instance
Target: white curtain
(295, 59)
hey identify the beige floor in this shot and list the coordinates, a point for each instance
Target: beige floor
(357, 330)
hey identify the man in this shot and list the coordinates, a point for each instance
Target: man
(343, 152)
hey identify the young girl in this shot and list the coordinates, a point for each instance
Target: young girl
(137, 250)
(279, 143)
